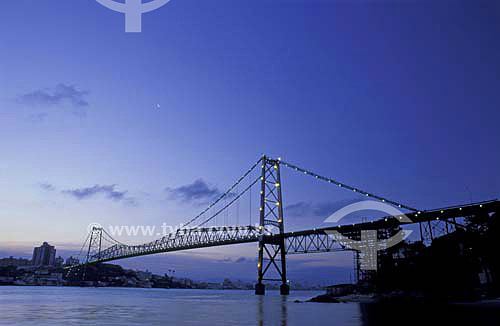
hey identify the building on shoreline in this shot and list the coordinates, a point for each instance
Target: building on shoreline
(72, 261)
(11, 261)
(45, 255)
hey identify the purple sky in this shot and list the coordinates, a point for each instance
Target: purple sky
(396, 97)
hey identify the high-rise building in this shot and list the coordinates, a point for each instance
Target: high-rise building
(59, 261)
(72, 261)
(45, 255)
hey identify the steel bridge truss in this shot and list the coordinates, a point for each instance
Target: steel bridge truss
(272, 252)
(273, 243)
(433, 229)
(311, 243)
(182, 239)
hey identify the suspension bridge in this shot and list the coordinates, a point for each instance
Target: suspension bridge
(274, 244)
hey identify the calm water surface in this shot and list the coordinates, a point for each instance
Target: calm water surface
(126, 306)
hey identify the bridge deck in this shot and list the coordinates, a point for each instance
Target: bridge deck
(306, 241)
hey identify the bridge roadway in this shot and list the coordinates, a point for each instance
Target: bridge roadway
(297, 242)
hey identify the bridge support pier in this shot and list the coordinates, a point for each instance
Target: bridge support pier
(272, 252)
(284, 289)
(260, 289)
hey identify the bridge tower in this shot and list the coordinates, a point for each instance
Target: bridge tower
(94, 248)
(272, 254)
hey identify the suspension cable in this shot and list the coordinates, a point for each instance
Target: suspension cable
(230, 203)
(113, 239)
(237, 209)
(343, 185)
(225, 193)
(81, 250)
(250, 205)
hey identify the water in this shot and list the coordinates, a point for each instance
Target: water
(128, 306)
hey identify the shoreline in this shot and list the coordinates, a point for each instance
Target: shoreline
(387, 299)
(139, 287)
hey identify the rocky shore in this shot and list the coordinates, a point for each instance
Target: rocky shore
(397, 298)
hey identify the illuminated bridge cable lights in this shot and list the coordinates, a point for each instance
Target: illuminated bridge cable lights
(305, 241)
(343, 185)
(273, 247)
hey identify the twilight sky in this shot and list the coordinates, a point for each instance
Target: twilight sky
(400, 98)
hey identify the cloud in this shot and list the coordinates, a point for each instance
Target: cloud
(197, 192)
(47, 186)
(61, 93)
(108, 191)
(238, 260)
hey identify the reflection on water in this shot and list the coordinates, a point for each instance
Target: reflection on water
(284, 302)
(260, 310)
(122, 306)
(284, 313)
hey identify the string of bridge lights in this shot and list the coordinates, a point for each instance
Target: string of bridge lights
(345, 186)
(298, 169)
